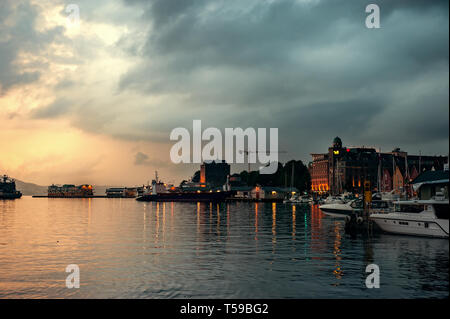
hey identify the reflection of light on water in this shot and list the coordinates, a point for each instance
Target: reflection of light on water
(157, 224)
(171, 217)
(228, 220)
(337, 253)
(306, 246)
(274, 224)
(89, 210)
(256, 221)
(164, 224)
(293, 221)
(218, 222)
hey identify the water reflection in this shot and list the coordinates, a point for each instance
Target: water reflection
(233, 250)
(294, 208)
(256, 220)
(337, 252)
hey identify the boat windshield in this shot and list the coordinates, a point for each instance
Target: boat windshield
(441, 210)
(357, 204)
(379, 204)
(409, 208)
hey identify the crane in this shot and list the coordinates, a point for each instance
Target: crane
(256, 152)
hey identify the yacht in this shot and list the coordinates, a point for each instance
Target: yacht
(341, 209)
(304, 199)
(292, 200)
(333, 200)
(416, 217)
(355, 206)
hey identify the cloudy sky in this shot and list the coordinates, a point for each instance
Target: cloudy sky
(95, 101)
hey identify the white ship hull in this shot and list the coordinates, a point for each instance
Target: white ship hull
(416, 217)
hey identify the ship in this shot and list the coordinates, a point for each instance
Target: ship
(8, 188)
(183, 196)
(70, 191)
(160, 192)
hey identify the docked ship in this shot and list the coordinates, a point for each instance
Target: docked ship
(121, 192)
(8, 188)
(159, 192)
(71, 191)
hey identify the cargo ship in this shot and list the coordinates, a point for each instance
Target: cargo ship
(8, 188)
(182, 196)
(158, 192)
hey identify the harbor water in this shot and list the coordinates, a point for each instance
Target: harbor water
(130, 249)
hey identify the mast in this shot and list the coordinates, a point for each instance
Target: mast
(393, 170)
(406, 175)
(292, 177)
(379, 172)
(420, 162)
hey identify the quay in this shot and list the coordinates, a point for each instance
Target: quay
(47, 196)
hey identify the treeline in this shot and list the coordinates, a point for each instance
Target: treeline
(281, 178)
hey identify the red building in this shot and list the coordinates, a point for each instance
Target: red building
(344, 169)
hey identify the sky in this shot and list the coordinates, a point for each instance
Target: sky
(94, 100)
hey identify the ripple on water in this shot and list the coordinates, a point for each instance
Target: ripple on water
(128, 249)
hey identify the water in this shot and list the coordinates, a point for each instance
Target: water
(130, 249)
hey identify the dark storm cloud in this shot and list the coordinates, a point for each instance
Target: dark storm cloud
(18, 35)
(310, 68)
(300, 66)
(143, 159)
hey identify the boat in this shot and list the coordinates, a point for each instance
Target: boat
(70, 191)
(333, 200)
(341, 209)
(160, 193)
(181, 196)
(8, 188)
(416, 217)
(304, 199)
(292, 200)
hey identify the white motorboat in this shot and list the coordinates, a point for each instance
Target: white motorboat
(416, 217)
(341, 209)
(305, 199)
(292, 200)
(355, 206)
(333, 200)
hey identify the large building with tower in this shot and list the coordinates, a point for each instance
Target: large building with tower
(214, 173)
(346, 168)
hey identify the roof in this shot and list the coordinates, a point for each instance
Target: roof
(277, 189)
(241, 188)
(432, 176)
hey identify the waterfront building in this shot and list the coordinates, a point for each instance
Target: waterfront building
(214, 173)
(69, 190)
(430, 183)
(386, 181)
(242, 192)
(121, 192)
(269, 193)
(346, 168)
(319, 173)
